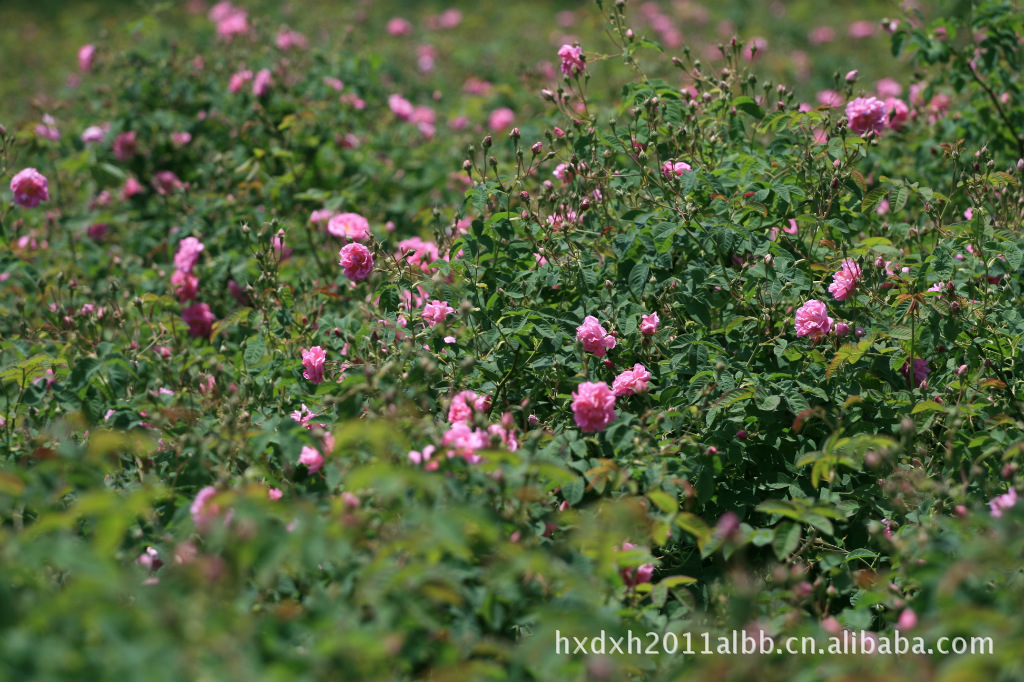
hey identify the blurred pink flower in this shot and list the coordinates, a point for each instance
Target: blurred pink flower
(357, 261)
(862, 29)
(312, 458)
(186, 285)
(465, 403)
(199, 319)
(351, 226)
(30, 188)
(397, 26)
(812, 320)
(920, 374)
(131, 188)
(187, 256)
(287, 39)
(238, 80)
(1005, 501)
(462, 441)
(313, 362)
(887, 87)
(202, 510)
(594, 337)
(400, 107)
(593, 406)
(635, 575)
(897, 112)
(86, 53)
(501, 119)
(820, 35)
(261, 83)
(125, 146)
(165, 182)
(274, 494)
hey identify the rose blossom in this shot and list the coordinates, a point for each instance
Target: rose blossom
(261, 83)
(199, 319)
(313, 361)
(312, 458)
(1005, 501)
(812, 320)
(464, 404)
(594, 337)
(436, 312)
(189, 249)
(186, 285)
(357, 261)
(649, 324)
(631, 381)
(634, 576)
(125, 146)
(897, 111)
(85, 57)
(351, 226)
(866, 114)
(921, 371)
(239, 79)
(572, 59)
(670, 168)
(30, 187)
(593, 406)
(845, 281)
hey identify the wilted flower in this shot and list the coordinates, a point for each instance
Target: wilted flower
(572, 59)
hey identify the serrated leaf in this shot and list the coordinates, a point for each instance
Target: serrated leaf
(787, 537)
(638, 278)
(255, 348)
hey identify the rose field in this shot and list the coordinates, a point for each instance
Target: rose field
(516, 341)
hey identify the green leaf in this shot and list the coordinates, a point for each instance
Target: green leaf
(255, 347)
(638, 279)
(787, 537)
(663, 501)
(748, 106)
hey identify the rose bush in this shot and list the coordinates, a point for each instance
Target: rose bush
(313, 365)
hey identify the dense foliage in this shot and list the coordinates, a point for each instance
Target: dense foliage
(314, 370)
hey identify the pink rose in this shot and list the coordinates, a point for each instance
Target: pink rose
(189, 249)
(199, 319)
(634, 576)
(436, 312)
(186, 285)
(85, 57)
(594, 337)
(30, 187)
(812, 320)
(631, 381)
(202, 510)
(1002, 502)
(866, 114)
(897, 111)
(398, 26)
(649, 324)
(500, 119)
(312, 458)
(677, 168)
(572, 60)
(351, 226)
(463, 441)
(357, 261)
(845, 281)
(313, 361)
(238, 80)
(261, 83)
(920, 373)
(464, 404)
(125, 146)
(165, 182)
(593, 406)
